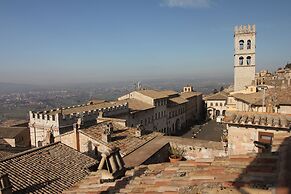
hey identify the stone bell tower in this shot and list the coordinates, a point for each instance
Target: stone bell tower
(244, 56)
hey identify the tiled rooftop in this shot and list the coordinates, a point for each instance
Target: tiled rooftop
(217, 96)
(282, 96)
(48, 169)
(274, 120)
(178, 100)
(222, 175)
(11, 132)
(88, 107)
(136, 105)
(153, 94)
(187, 95)
(122, 137)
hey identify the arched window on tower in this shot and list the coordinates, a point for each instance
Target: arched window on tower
(249, 44)
(241, 60)
(241, 44)
(248, 60)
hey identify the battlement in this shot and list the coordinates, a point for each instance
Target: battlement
(243, 29)
(61, 114)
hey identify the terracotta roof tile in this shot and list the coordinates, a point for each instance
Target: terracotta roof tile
(122, 137)
(49, 169)
(274, 120)
(217, 96)
(183, 177)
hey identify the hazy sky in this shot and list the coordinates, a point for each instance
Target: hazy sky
(63, 41)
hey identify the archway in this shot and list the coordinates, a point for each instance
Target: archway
(217, 113)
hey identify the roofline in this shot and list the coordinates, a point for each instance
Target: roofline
(29, 151)
(258, 126)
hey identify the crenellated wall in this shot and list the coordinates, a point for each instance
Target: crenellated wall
(46, 123)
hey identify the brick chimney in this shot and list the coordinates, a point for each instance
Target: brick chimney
(107, 131)
(76, 127)
(5, 185)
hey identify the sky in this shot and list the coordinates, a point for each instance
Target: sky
(79, 41)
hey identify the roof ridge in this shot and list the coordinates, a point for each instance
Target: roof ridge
(29, 151)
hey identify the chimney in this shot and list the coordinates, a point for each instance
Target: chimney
(111, 166)
(107, 131)
(5, 185)
(100, 115)
(139, 131)
(76, 137)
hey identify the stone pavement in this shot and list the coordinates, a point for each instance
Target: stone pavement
(211, 131)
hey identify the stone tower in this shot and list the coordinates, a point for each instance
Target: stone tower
(244, 56)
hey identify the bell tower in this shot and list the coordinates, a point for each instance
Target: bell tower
(244, 56)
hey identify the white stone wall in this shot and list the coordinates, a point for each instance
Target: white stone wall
(243, 76)
(40, 125)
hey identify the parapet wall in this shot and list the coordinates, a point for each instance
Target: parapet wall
(242, 29)
(59, 119)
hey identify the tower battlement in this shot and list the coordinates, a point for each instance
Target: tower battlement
(245, 29)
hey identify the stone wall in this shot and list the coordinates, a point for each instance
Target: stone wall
(198, 149)
(241, 139)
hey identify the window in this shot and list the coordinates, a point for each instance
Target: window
(216, 104)
(159, 115)
(241, 44)
(220, 104)
(248, 60)
(211, 104)
(249, 44)
(156, 115)
(241, 60)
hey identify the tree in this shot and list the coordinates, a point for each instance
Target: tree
(215, 91)
(221, 88)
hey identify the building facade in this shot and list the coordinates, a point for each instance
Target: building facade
(167, 111)
(216, 105)
(244, 56)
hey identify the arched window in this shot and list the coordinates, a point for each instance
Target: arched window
(241, 60)
(249, 44)
(241, 44)
(248, 60)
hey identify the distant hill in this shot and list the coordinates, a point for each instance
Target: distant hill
(12, 87)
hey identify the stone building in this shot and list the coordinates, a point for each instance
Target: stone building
(216, 105)
(252, 132)
(46, 125)
(166, 111)
(279, 79)
(244, 56)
